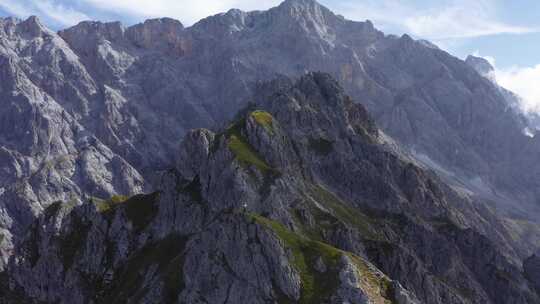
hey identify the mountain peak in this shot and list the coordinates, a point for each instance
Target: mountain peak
(481, 65)
(299, 3)
(303, 7)
(33, 26)
(108, 30)
(159, 23)
(163, 33)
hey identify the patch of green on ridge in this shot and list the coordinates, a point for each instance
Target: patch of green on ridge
(243, 151)
(106, 205)
(345, 213)
(264, 119)
(378, 287)
(316, 287)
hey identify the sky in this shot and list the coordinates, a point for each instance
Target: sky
(507, 33)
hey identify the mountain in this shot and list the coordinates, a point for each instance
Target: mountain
(446, 189)
(288, 204)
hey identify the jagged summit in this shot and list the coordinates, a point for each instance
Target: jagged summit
(305, 5)
(31, 26)
(86, 31)
(97, 113)
(308, 10)
(481, 65)
(296, 196)
(165, 21)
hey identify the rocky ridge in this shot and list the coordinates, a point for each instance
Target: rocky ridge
(95, 112)
(130, 93)
(299, 200)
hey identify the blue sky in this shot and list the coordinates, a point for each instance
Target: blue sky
(505, 32)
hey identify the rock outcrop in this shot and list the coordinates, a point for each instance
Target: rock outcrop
(302, 177)
(132, 92)
(298, 200)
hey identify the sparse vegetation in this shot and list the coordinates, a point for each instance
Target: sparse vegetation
(246, 154)
(343, 212)
(376, 285)
(318, 287)
(106, 205)
(264, 119)
(243, 151)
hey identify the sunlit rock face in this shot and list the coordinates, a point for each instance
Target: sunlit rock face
(301, 196)
(100, 109)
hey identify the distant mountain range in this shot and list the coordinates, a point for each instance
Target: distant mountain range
(281, 156)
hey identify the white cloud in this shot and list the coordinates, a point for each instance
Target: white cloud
(447, 20)
(461, 20)
(53, 10)
(523, 81)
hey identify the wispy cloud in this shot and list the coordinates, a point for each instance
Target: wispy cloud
(60, 12)
(15, 7)
(445, 20)
(55, 11)
(461, 20)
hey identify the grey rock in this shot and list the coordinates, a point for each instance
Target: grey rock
(138, 90)
(481, 65)
(99, 109)
(195, 241)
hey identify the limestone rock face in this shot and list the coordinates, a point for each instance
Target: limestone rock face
(96, 113)
(138, 90)
(47, 154)
(271, 209)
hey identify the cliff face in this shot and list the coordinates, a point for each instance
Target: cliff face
(97, 109)
(93, 115)
(287, 204)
